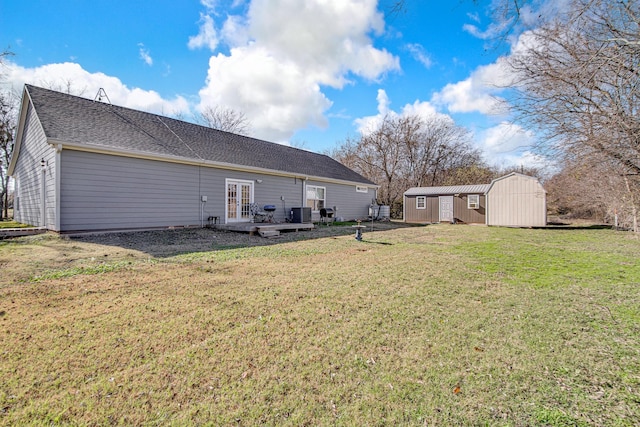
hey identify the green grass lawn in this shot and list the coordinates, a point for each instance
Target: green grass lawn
(12, 224)
(437, 325)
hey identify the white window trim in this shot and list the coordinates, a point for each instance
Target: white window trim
(473, 205)
(361, 189)
(307, 196)
(424, 202)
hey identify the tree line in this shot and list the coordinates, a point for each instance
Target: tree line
(575, 72)
(404, 151)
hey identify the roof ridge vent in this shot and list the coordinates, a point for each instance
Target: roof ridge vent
(101, 96)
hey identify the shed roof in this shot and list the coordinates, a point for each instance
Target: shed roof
(448, 190)
(82, 122)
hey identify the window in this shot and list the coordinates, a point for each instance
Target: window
(473, 201)
(421, 202)
(316, 197)
(361, 189)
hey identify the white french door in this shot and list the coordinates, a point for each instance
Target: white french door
(239, 199)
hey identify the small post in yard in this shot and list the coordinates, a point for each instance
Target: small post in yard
(359, 229)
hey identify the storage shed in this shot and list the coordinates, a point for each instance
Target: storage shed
(514, 200)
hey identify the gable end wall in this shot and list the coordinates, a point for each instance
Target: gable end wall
(517, 201)
(29, 178)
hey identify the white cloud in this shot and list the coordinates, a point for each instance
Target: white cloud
(209, 4)
(207, 35)
(474, 16)
(276, 96)
(283, 51)
(330, 38)
(234, 31)
(419, 54)
(367, 124)
(479, 92)
(144, 55)
(71, 77)
(507, 144)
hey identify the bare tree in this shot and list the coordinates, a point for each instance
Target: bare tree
(578, 81)
(595, 188)
(7, 126)
(224, 119)
(63, 85)
(578, 84)
(408, 151)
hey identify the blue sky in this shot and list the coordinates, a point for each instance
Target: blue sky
(310, 73)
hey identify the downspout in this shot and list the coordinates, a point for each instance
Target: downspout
(43, 194)
(404, 208)
(304, 192)
(486, 208)
(58, 168)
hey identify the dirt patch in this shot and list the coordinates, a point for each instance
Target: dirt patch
(32, 258)
(166, 243)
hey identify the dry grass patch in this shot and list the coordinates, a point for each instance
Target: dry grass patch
(428, 325)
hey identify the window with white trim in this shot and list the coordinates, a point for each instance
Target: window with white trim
(316, 197)
(421, 202)
(361, 189)
(473, 201)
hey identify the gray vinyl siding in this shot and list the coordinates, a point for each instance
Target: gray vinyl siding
(350, 204)
(29, 176)
(268, 192)
(108, 192)
(100, 191)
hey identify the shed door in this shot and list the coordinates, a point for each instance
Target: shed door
(446, 208)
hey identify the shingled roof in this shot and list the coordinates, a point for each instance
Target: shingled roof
(82, 122)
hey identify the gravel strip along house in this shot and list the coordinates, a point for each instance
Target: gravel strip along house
(82, 165)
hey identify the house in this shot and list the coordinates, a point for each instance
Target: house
(514, 200)
(82, 165)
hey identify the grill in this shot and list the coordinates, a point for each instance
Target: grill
(326, 214)
(269, 209)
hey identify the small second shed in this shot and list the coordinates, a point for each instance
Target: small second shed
(460, 203)
(514, 200)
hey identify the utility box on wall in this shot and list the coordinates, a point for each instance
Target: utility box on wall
(301, 215)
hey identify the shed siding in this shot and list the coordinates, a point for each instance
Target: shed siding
(462, 213)
(29, 176)
(428, 215)
(517, 201)
(432, 212)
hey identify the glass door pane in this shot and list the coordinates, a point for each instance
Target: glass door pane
(245, 201)
(232, 201)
